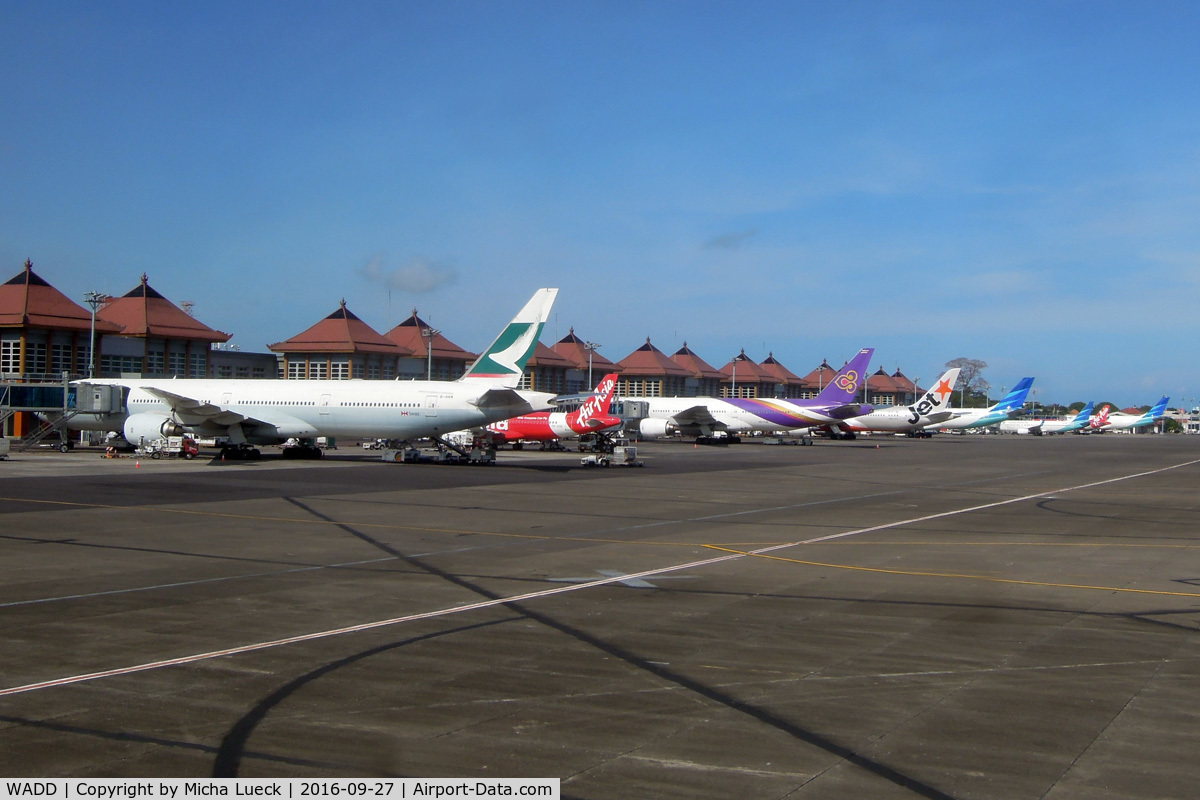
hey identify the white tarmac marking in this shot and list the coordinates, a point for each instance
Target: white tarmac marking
(178, 584)
(366, 626)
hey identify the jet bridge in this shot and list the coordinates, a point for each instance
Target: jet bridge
(52, 404)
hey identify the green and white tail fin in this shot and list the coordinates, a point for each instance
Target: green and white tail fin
(503, 363)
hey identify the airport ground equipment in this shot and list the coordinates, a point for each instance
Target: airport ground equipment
(621, 456)
(171, 447)
(4, 446)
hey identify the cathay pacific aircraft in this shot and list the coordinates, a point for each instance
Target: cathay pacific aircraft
(1007, 408)
(247, 412)
(703, 417)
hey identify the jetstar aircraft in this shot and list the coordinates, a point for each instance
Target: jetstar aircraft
(1122, 422)
(546, 426)
(704, 416)
(1009, 407)
(273, 411)
(1037, 427)
(931, 408)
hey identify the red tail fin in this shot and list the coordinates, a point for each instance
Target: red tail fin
(596, 405)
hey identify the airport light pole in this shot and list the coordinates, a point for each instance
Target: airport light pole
(429, 333)
(93, 299)
(916, 388)
(733, 392)
(591, 348)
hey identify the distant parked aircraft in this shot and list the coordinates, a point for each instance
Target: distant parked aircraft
(703, 417)
(933, 407)
(1037, 427)
(1120, 422)
(1009, 407)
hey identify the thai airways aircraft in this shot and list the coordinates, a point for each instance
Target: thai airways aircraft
(931, 408)
(546, 426)
(1037, 427)
(703, 416)
(1121, 422)
(273, 411)
(1010, 406)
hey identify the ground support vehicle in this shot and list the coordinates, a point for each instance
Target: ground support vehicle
(621, 456)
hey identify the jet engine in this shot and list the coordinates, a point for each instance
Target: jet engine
(150, 427)
(653, 428)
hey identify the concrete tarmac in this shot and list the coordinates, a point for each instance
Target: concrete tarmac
(962, 617)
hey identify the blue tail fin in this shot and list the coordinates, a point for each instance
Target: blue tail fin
(1160, 408)
(1016, 398)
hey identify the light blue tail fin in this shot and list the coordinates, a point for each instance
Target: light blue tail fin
(1015, 399)
(1160, 408)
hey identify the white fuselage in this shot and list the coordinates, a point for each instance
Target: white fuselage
(276, 410)
(735, 415)
(899, 419)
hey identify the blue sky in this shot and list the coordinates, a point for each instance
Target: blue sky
(1014, 182)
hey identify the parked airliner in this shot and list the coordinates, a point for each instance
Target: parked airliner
(273, 411)
(1009, 407)
(933, 407)
(703, 417)
(548, 426)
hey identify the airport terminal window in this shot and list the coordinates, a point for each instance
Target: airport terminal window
(119, 365)
(176, 363)
(318, 370)
(10, 355)
(373, 371)
(389, 371)
(357, 369)
(35, 357)
(297, 370)
(224, 371)
(60, 358)
(339, 370)
(199, 365)
(155, 362)
(260, 372)
(82, 359)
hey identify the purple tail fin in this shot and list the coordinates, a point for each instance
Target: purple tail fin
(847, 384)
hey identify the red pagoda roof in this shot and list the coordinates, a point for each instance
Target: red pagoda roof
(779, 372)
(340, 332)
(145, 312)
(697, 366)
(882, 382)
(649, 360)
(26, 300)
(409, 336)
(545, 357)
(747, 370)
(575, 349)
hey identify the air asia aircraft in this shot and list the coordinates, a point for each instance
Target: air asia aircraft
(273, 411)
(1010, 406)
(703, 416)
(1121, 422)
(547, 426)
(1037, 427)
(931, 408)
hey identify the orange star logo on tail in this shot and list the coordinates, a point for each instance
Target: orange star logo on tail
(944, 388)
